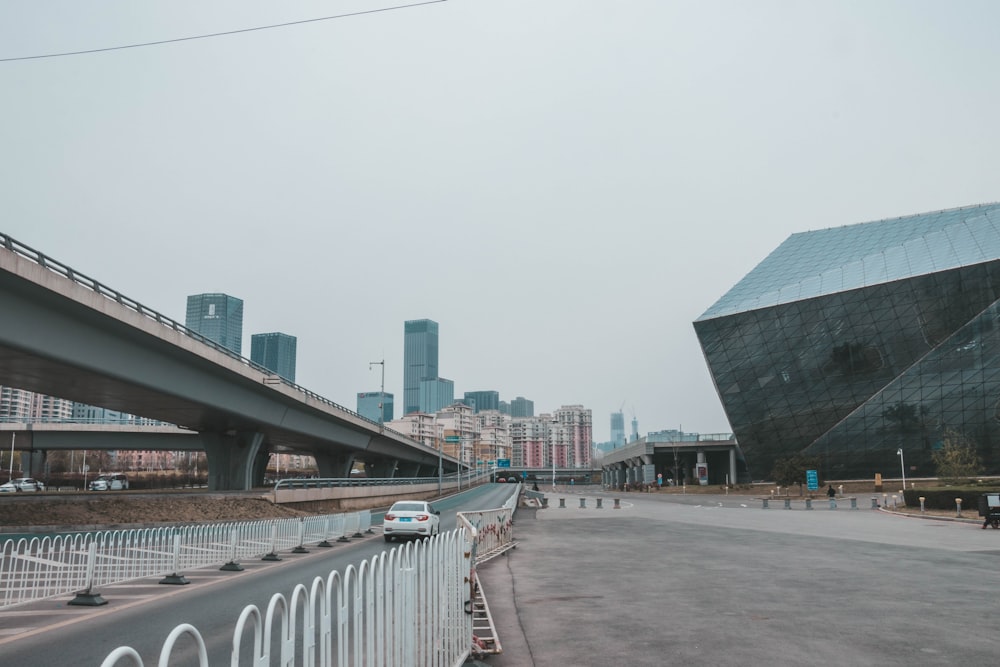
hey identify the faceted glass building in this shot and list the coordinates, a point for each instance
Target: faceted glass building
(853, 344)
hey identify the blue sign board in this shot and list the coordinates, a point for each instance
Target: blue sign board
(503, 463)
(812, 480)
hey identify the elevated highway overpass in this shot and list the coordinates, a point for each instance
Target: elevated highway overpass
(67, 335)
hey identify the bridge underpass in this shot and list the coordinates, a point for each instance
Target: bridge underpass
(67, 335)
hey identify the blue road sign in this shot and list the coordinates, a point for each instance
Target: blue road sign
(812, 480)
(503, 463)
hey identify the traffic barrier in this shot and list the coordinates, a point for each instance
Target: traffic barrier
(765, 503)
(583, 503)
(562, 502)
(809, 503)
(788, 503)
(599, 503)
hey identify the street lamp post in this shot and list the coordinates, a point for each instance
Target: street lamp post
(553, 465)
(440, 469)
(902, 468)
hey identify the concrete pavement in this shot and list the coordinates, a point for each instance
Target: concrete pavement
(718, 580)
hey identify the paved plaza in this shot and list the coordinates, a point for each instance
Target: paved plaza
(717, 580)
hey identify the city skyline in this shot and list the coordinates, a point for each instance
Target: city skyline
(566, 209)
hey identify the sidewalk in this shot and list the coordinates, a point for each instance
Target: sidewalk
(719, 580)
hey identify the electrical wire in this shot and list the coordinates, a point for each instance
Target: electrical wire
(220, 34)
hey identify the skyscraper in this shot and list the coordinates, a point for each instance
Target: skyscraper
(275, 352)
(858, 343)
(376, 405)
(482, 400)
(420, 359)
(217, 317)
(618, 429)
(522, 407)
(435, 394)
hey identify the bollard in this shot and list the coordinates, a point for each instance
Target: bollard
(788, 503)
(765, 503)
(874, 502)
(841, 490)
(854, 503)
(562, 502)
(885, 500)
(545, 502)
(617, 504)
(599, 505)
(583, 503)
(894, 501)
(833, 503)
(809, 503)
(922, 504)
(958, 507)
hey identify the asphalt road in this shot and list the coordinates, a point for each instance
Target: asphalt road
(717, 580)
(141, 614)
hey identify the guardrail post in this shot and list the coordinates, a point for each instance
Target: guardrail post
(87, 598)
(788, 503)
(176, 579)
(545, 502)
(357, 527)
(854, 503)
(764, 500)
(874, 502)
(618, 504)
(583, 503)
(809, 503)
(599, 505)
(562, 502)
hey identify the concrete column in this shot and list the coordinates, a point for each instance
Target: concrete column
(333, 465)
(381, 468)
(236, 460)
(732, 466)
(33, 464)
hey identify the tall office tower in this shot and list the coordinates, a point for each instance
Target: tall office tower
(376, 405)
(504, 408)
(420, 360)
(435, 394)
(483, 400)
(217, 317)
(522, 407)
(275, 352)
(618, 428)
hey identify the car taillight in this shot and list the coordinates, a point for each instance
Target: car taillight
(422, 517)
(390, 517)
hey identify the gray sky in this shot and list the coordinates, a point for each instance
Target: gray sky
(564, 185)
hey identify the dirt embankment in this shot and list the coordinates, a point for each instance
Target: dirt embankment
(133, 511)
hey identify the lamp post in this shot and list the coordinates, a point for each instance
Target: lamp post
(381, 395)
(553, 465)
(902, 468)
(440, 463)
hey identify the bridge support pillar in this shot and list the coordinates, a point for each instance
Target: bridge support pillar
(381, 468)
(236, 461)
(334, 466)
(33, 464)
(407, 469)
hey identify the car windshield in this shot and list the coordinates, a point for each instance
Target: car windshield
(407, 507)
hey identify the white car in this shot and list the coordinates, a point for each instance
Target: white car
(109, 482)
(411, 518)
(22, 484)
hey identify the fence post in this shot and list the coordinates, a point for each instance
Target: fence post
(176, 579)
(273, 554)
(302, 537)
(87, 598)
(326, 533)
(232, 565)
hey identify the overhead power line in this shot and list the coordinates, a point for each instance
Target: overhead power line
(221, 34)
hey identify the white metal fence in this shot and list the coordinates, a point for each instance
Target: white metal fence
(37, 568)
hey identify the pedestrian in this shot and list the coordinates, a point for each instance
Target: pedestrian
(830, 493)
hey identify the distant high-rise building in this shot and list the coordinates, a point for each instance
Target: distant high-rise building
(618, 428)
(435, 394)
(505, 408)
(217, 317)
(376, 405)
(420, 360)
(522, 407)
(275, 352)
(635, 429)
(482, 400)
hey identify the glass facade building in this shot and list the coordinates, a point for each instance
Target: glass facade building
(376, 405)
(217, 317)
(420, 359)
(856, 343)
(275, 352)
(482, 400)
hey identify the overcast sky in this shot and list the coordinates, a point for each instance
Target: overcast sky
(563, 185)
